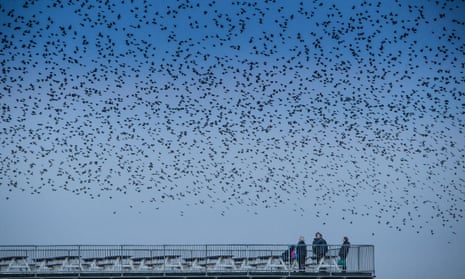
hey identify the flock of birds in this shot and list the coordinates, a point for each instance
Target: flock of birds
(354, 107)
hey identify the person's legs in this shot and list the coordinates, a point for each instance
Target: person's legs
(301, 264)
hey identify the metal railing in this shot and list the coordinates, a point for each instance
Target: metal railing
(210, 258)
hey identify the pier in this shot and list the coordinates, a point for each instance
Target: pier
(180, 261)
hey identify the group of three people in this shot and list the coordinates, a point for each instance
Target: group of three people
(319, 249)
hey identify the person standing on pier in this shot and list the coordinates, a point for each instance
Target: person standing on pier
(343, 251)
(319, 247)
(301, 253)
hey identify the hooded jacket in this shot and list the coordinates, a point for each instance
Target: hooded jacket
(344, 250)
(319, 247)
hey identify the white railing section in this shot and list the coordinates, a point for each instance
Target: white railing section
(177, 258)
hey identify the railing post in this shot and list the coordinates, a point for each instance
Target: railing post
(123, 255)
(206, 259)
(35, 248)
(79, 257)
(164, 258)
(247, 253)
(373, 259)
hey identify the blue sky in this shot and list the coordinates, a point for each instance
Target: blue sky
(188, 121)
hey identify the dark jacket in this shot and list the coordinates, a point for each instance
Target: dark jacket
(344, 250)
(319, 247)
(286, 255)
(302, 249)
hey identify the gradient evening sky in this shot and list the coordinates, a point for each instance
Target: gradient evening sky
(152, 122)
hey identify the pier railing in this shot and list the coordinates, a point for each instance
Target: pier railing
(166, 259)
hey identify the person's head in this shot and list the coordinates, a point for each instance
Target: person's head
(345, 239)
(301, 238)
(318, 235)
